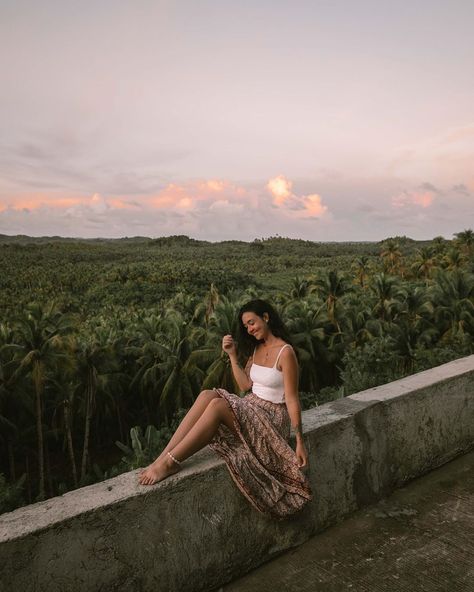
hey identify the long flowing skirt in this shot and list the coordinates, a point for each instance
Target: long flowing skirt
(260, 460)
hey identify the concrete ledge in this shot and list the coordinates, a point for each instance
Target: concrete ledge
(195, 531)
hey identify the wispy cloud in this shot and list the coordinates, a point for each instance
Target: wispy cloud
(446, 156)
(420, 197)
(461, 188)
(460, 134)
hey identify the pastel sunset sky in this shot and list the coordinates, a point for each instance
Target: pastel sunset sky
(321, 120)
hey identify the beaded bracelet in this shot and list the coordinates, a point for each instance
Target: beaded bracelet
(173, 458)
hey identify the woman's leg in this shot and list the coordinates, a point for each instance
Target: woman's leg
(202, 432)
(199, 405)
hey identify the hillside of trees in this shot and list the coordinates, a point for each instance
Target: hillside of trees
(104, 344)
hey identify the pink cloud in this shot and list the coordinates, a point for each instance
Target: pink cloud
(417, 198)
(36, 201)
(123, 204)
(214, 185)
(296, 206)
(199, 196)
(197, 193)
(314, 206)
(280, 189)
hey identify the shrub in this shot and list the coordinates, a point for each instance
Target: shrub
(11, 494)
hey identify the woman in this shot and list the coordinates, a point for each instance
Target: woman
(250, 433)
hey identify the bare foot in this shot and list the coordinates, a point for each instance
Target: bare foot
(158, 470)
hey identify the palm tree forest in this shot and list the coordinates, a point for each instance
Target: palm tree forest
(104, 344)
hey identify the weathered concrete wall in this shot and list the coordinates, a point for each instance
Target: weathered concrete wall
(195, 531)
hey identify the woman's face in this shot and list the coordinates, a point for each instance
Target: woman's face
(255, 325)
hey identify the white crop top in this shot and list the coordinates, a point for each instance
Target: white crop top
(268, 382)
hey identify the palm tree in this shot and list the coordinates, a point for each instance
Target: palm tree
(10, 398)
(465, 240)
(453, 259)
(387, 292)
(161, 366)
(143, 354)
(391, 256)
(416, 305)
(203, 311)
(331, 287)
(359, 324)
(402, 340)
(453, 295)
(424, 262)
(40, 333)
(307, 322)
(184, 303)
(208, 363)
(299, 288)
(95, 361)
(439, 245)
(67, 405)
(362, 265)
(414, 326)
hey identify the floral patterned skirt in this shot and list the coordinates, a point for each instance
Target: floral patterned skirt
(260, 460)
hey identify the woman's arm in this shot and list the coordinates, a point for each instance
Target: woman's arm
(289, 366)
(242, 377)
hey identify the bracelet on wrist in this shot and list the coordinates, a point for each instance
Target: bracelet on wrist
(295, 430)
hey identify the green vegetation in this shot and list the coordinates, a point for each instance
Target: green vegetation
(104, 344)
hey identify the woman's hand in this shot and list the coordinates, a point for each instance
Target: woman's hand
(228, 345)
(301, 454)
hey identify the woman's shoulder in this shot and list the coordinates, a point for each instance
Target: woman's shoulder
(286, 357)
(287, 352)
(287, 347)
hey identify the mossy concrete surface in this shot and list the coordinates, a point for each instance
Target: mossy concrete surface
(420, 538)
(195, 531)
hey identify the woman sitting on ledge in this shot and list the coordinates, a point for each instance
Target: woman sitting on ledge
(250, 433)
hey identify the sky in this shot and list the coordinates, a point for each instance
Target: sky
(320, 120)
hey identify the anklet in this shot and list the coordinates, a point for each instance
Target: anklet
(173, 458)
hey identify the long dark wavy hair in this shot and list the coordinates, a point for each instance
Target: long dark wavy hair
(246, 343)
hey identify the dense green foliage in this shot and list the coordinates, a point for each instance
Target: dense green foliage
(105, 342)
